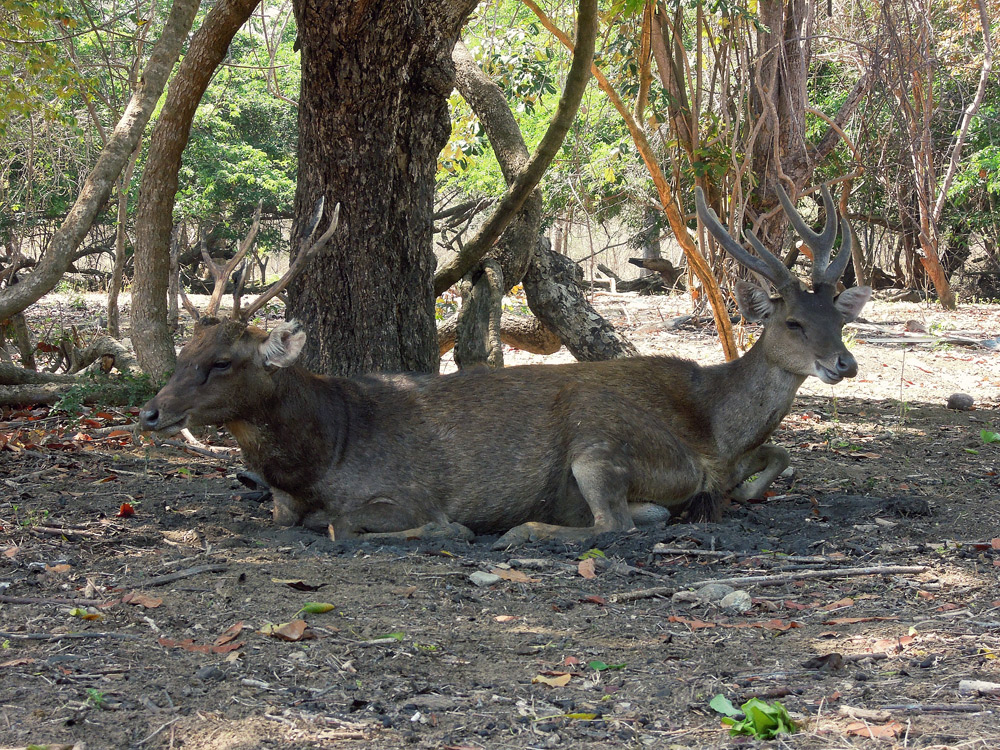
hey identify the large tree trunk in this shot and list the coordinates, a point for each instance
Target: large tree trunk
(372, 119)
(154, 214)
(97, 188)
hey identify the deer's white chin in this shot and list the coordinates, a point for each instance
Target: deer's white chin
(826, 375)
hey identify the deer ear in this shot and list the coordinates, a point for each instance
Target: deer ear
(283, 345)
(850, 301)
(754, 302)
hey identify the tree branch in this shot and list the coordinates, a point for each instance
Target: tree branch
(517, 193)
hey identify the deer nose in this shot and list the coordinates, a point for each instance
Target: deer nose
(847, 366)
(149, 418)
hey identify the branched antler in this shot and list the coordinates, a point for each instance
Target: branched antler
(308, 251)
(221, 273)
(768, 265)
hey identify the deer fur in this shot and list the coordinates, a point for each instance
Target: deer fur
(539, 451)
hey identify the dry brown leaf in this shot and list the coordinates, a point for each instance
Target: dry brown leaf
(560, 681)
(839, 604)
(506, 618)
(229, 634)
(63, 568)
(296, 630)
(588, 568)
(137, 599)
(513, 575)
(879, 732)
(18, 662)
(853, 620)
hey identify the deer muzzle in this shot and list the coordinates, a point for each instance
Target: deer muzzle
(844, 366)
(152, 419)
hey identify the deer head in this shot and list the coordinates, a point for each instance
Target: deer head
(225, 368)
(802, 328)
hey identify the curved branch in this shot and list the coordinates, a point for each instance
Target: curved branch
(97, 188)
(517, 193)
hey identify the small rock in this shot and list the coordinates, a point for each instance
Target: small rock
(211, 673)
(736, 602)
(685, 597)
(713, 592)
(960, 401)
(481, 578)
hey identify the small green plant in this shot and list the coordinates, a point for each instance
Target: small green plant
(95, 697)
(756, 718)
(989, 436)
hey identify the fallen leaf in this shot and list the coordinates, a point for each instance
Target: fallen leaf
(587, 568)
(878, 732)
(135, 598)
(840, 604)
(10, 552)
(229, 634)
(296, 630)
(297, 584)
(63, 568)
(853, 620)
(600, 601)
(513, 575)
(18, 662)
(560, 681)
(317, 608)
(126, 510)
(780, 625)
(506, 618)
(691, 623)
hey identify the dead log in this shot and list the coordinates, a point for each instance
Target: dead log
(519, 331)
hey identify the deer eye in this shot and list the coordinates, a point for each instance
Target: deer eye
(222, 365)
(793, 325)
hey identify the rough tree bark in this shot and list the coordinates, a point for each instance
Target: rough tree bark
(154, 213)
(372, 119)
(99, 183)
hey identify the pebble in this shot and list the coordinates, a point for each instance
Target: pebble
(713, 592)
(960, 401)
(481, 578)
(736, 602)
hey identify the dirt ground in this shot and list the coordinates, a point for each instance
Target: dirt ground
(187, 624)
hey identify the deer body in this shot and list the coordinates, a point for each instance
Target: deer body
(559, 451)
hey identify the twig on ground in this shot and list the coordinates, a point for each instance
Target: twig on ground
(4, 599)
(776, 580)
(180, 574)
(66, 636)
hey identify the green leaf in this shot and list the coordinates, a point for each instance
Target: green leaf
(989, 437)
(593, 552)
(723, 705)
(316, 608)
(394, 636)
(600, 666)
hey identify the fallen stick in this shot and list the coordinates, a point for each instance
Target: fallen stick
(197, 570)
(961, 708)
(34, 600)
(662, 549)
(66, 636)
(776, 580)
(55, 531)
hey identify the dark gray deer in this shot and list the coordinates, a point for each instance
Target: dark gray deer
(540, 451)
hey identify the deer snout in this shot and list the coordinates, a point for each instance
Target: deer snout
(149, 417)
(847, 366)
(844, 366)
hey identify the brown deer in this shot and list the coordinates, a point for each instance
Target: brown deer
(540, 451)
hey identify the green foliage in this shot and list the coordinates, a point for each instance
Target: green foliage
(120, 390)
(755, 718)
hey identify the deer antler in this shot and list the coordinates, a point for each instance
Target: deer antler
(221, 274)
(308, 250)
(821, 243)
(767, 265)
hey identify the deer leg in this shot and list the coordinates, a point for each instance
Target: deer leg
(601, 478)
(766, 462)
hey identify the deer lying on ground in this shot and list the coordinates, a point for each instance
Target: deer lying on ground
(540, 451)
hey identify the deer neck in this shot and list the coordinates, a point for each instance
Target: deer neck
(751, 395)
(302, 426)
